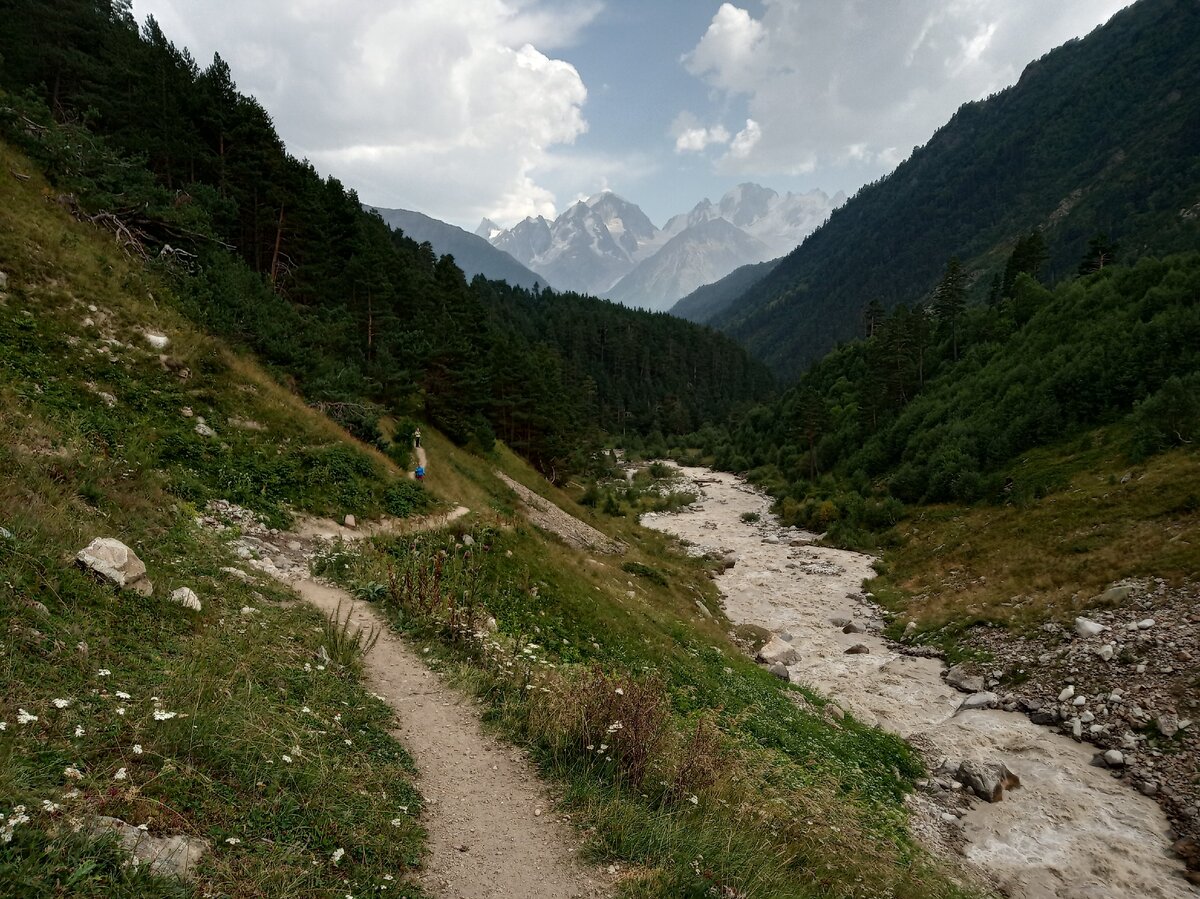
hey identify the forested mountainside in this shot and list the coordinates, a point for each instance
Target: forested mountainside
(705, 303)
(931, 409)
(1099, 137)
(190, 173)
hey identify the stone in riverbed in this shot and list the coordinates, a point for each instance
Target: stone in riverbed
(776, 651)
(852, 628)
(988, 782)
(779, 670)
(858, 649)
(961, 679)
(983, 700)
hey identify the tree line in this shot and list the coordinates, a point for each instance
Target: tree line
(190, 173)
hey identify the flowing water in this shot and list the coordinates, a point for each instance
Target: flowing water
(1070, 831)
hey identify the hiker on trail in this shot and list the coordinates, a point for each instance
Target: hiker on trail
(417, 437)
(420, 472)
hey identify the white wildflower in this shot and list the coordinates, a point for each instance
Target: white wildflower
(137, 748)
(694, 799)
(232, 841)
(337, 855)
(49, 807)
(79, 731)
(23, 717)
(3, 726)
(620, 692)
(287, 758)
(72, 772)
(164, 716)
(61, 703)
(615, 726)
(103, 672)
(397, 822)
(71, 794)
(121, 774)
(121, 710)
(121, 694)
(347, 742)
(306, 710)
(143, 827)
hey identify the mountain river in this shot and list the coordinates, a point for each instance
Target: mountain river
(1069, 831)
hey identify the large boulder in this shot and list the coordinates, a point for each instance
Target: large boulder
(778, 652)
(988, 782)
(116, 563)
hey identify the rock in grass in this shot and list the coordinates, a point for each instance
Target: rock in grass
(779, 670)
(987, 781)
(158, 341)
(776, 651)
(1168, 724)
(1085, 627)
(349, 521)
(175, 856)
(203, 428)
(187, 598)
(116, 563)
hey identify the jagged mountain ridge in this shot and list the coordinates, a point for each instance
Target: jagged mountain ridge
(606, 245)
(473, 254)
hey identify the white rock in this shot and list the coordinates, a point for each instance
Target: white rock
(1106, 652)
(983, 700)
(3, 280)
(116, 563)
(778, 651)
(1079, 700)
(5, 534)
(187, 598)
(1146, 624)
(1085, 627)
(158, 341)
(468, 540)
(175, 856)
(350, 521)
(203, 429)
(1114, 758)
(1067, 693)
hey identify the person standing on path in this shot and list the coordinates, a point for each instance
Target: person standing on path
(417, 437)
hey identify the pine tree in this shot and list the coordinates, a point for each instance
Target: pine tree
(950, 299)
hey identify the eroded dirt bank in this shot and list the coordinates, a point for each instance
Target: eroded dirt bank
(1070, 831)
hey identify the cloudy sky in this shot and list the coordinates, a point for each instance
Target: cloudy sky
(506, 108)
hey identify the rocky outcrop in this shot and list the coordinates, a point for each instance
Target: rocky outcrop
(174, 856)
(114, 562)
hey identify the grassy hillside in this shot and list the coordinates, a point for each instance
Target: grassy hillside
(1101, 136)
(279, 760)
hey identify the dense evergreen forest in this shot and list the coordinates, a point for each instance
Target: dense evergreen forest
(937, 402)
(190, 174)
(1099, 137)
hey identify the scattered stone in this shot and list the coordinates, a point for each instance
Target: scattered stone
(239, 574)
(1114, 758)
(988, 782)
(1079, 701)
(1106, 652)
(852, 628)
(703, 609)
(1148, 788)
(203, 428)
(858, 649)
(1085, 627)
(779, 670)
(777, 651)
(838, 621)
(116, 563)
(959, 678)
(468, 540)
(1113, 596)
(350, 521)
(187, 598)
(246, 424)
(834, 711)
(1067, 693)
(1168, 724)
(158, 341)
(1145, 624)
(175, 856)
(983, 700)
(910, 629)
(186, 412)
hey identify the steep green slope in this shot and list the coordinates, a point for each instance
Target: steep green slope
(270, 254)
(708, 302)
(1099, 136)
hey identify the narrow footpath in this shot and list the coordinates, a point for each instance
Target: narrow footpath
(492, 828)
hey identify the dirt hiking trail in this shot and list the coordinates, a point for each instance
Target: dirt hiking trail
(492, 828)
(1070, 831)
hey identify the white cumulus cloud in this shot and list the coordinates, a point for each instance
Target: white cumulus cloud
(858, 83)
(445, 106)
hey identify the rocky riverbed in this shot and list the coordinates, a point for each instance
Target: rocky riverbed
(1071, 829)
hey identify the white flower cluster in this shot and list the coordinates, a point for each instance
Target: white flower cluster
(15, 818)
